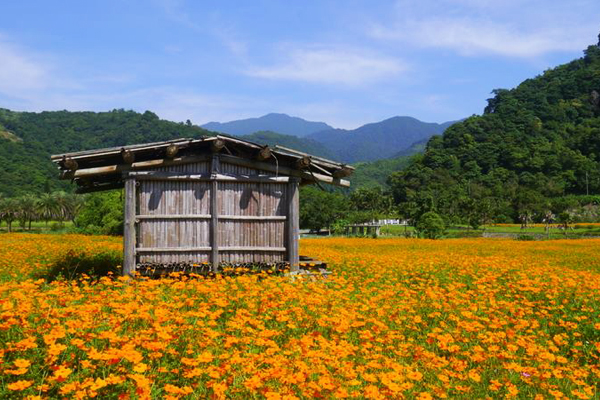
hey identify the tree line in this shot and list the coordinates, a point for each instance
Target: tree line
(98, 213)
(57, 206)
(475, 208)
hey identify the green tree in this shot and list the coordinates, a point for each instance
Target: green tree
(102, 213)
(319, 209)
(430, 226)
(72, 205)
(368, 204)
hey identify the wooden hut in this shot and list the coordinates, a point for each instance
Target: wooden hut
(214, 201)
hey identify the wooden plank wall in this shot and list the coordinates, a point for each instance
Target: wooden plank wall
(174, 198)
(237, 203)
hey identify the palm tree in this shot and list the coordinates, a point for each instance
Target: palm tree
(47, 207)
(1, 208)
(27, 209)
(72, 204)
(9, 210)
(62, 199)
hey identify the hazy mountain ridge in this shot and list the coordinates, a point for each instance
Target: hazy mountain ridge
(378, 140)
(274, 122)
(374, 141)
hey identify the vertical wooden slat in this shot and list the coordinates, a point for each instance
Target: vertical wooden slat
(214, 213)
(293, 225)
(129, 228)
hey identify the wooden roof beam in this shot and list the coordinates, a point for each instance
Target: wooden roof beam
(324, 161)
(343, 172)
(284, 170)
(119, 168)
(117, 150)
(303, 162)
(264, 154)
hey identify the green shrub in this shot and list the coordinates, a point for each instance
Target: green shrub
(339, 227)
(74, 264)
(430, 226)
(102, 213)
(56, 226)
(525, 237)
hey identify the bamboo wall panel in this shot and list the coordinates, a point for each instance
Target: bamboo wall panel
(173, 233)
(241, 199)
(174, 198)
(251, 199)
(256, 199)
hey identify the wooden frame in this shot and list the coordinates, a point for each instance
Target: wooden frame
(129, 231)
(214, 214)
(293, 225)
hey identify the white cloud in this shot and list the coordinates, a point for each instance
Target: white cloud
(473, 37)
(512, 28)
(31, 80)
(330, 66)
(19, 72)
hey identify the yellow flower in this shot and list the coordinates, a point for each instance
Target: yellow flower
(19, 385)
(21, 363)
(415, 375)
(140, 368)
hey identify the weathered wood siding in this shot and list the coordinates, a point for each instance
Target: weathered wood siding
(174, 199)
(174, 218)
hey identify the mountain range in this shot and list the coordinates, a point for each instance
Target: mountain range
(274, 122)
(374, 141)
(377, 140)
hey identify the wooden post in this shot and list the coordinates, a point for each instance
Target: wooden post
(214, 215)
(293, 225)
(129, 235)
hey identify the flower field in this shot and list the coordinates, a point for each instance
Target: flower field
(467, 318)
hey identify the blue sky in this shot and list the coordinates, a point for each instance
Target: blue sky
(342, 62)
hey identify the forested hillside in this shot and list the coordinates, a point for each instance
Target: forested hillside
(28, 139)
(534, 148)
(375, 173)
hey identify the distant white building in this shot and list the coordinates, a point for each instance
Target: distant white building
(384, 222)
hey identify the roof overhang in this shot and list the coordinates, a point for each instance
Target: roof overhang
(103, 169)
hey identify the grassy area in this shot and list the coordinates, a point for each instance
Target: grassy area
(39, 227)
(581, 230)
